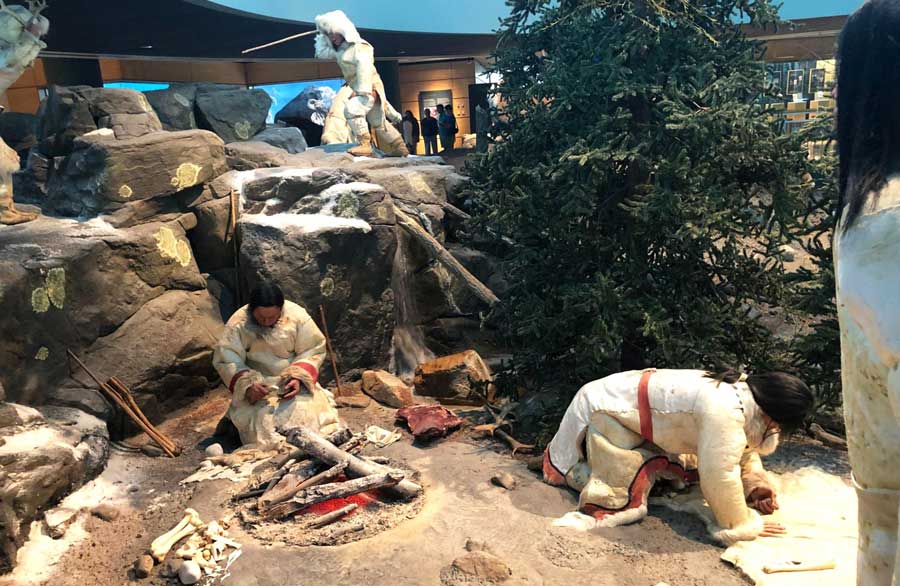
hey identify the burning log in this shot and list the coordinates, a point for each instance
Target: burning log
(333, 516)
(326, 492)
(317, 447)
(287, 486)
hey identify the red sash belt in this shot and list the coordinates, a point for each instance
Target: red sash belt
(644, 406)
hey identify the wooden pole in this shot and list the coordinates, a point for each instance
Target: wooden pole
(117, 385)
(317, 447)
(236, 246)
(445, 258)
(328, 346)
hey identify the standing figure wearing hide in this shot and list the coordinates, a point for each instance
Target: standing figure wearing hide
(624, 432)
(867, 277)
(21, 30)
(269, 356)
(362, 102)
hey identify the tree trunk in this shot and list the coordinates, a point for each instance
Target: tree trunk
(445, 258)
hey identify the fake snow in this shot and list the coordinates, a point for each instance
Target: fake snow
(37, 559)
(308, 224)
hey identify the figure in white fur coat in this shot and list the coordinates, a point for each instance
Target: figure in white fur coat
(624, 432)
(21, 30)
(362, 102)
(269, 357)
(867, 276)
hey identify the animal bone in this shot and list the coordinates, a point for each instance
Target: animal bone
(187, 526)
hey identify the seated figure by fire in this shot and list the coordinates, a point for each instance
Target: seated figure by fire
(269, 357)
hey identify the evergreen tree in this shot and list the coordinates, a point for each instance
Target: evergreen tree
(643, 186)
(817, 351)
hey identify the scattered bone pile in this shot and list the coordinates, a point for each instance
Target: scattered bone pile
(206, 547)
(310, 484)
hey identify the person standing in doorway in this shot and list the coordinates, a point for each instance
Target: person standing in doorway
(444, 128)
(452, 128)
(430, 133)
(410, 131)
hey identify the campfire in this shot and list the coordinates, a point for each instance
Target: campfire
(324, 492)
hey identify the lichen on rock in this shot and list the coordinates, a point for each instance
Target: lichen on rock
(56, 287)
(186, 176)
(171, 247)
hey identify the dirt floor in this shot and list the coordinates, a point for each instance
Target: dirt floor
(460, 504)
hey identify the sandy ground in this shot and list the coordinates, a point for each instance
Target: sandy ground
(460, 504)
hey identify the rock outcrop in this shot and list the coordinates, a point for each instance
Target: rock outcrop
(43, 456)
(233, 114)
(103, 174)
(307, 112)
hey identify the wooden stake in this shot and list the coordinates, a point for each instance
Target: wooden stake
(445, 258)
(337, 375)
(236, 246)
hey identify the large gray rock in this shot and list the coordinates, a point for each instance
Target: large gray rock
(212, 240)
(165, 349)
(62, 117)
(104, 174)
(174, 106)
(307, 112)
(254, 154)
(19, 131)
(127, 112)
(289, 185)
(233, 114)
(68, 284)
(42, 461)
(287, 138)
(342, 263)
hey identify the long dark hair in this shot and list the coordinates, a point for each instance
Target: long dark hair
(266, 294)
(783, 397)
(868, 113)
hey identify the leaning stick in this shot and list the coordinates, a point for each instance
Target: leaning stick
(234, 241)
(160, 438)
(445, 258)
(117, 385)
(337, 375)
(120, 403)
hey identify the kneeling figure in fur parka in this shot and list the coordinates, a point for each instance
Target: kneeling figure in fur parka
(624, 432)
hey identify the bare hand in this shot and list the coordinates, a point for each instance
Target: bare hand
(773, 530)
(293, 389)
(763, 499)
(256, 392)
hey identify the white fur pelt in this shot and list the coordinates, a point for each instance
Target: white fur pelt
(334, 22)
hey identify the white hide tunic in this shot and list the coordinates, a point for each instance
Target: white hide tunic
(691, 414)
(867, 273)
(249, 353)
